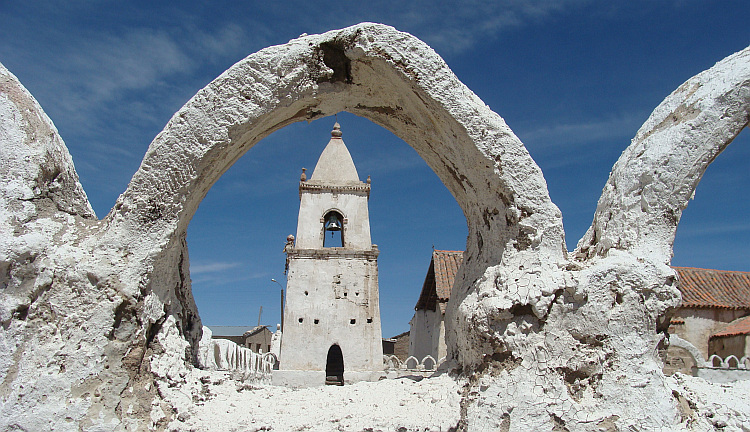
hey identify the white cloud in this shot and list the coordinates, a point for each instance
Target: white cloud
(212, 267)
(230, 279)
(454, 26)
(571, 134)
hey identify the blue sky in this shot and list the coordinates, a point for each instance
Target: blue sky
(574, 79)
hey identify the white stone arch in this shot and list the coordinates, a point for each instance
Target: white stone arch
(333, 209)
(391, 362)
(732, 361)
(411, 363)
(656, 176)
(428, 363)
(678, 342)
(370, 70)
(715, 361)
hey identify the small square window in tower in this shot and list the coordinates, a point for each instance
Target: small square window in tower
(333, 270)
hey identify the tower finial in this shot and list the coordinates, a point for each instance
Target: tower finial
(336, 132)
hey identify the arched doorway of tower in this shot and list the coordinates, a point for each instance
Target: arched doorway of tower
(335, 366)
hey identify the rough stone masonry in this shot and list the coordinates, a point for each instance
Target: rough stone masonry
(100, 330)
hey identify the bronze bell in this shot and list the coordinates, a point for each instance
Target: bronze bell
(333, 223)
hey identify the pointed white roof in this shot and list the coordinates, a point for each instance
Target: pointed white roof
(335, 164)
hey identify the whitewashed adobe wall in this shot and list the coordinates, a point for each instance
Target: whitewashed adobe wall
(427, 334)
(315, 321)
(99, 314)
(701, 323)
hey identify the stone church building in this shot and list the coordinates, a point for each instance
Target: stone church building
(331, 328)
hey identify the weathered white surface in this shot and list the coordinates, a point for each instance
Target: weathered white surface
(704, 406)
(222, 354)
(722, 375)
(335, 165)
(99, 315)
(590, 362)
(305, 344)
(428, 405)
(651, 183)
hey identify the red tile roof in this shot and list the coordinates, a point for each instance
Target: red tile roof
(705, 288)
(447, 264)
(737, 327)
(436, 289)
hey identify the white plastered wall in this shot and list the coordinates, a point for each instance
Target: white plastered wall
(312, 296)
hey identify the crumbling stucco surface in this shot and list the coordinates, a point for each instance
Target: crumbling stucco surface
(100, 330)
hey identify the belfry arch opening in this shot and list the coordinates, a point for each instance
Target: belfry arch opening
(333, 229)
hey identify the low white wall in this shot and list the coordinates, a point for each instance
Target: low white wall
(225, 355)
(719, 375)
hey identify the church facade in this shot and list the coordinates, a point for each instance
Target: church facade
(332, 327)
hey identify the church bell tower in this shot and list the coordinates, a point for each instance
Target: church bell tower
(332, 315)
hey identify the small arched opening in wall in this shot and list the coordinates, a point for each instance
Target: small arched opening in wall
(335, 366)
(333, 229)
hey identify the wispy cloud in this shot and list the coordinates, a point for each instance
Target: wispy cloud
(90, 73)
(230, 279)
(110, 92)
(449, 26)
(572, 134)
(455, 26)
(212, 267)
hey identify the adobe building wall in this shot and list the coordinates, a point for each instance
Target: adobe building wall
(259, 342)
(401, 348)
(337, 303)
(427, 334)
(738, 346)
(701, 323)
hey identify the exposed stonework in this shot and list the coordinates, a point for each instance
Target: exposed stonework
(98, 322)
